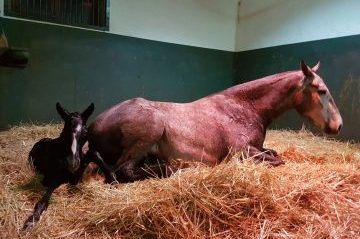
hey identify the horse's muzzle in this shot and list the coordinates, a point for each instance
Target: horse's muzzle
(333, 130)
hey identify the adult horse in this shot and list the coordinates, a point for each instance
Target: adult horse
(210, 128)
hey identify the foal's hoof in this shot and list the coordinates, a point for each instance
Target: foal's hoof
(111, 179)
(28, 225)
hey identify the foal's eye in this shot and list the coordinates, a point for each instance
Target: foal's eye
(321, 92)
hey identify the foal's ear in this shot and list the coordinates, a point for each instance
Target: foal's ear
(316, 67)
(86, 114)
(305, 69)
(62, 112)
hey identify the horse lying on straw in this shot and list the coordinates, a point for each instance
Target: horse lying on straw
(60, 160)
(210, 128)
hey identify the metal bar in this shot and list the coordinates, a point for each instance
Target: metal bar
(76, 13)
(93, 10)
(61, 10)
(82, 11)
(98, 5)
(71, 11)
(64, 12)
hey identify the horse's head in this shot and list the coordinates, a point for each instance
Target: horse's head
(74, 133)
(315, 102)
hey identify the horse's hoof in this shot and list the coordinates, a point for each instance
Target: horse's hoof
(277, 163)
(271, 152)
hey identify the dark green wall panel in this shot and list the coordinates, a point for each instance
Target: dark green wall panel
(77, 67)
(340, 69)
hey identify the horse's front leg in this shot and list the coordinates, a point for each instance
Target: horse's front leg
(263, 156)
(40, 207)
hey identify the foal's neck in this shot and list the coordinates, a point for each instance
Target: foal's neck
(270, 96)
(64, 140)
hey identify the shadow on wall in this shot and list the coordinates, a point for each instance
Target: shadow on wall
(349, 105)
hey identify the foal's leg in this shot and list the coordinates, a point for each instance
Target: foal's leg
(79, 173)
(94, 156)
(261, 156)
(40, 207)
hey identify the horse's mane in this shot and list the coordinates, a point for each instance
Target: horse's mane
(265, 83)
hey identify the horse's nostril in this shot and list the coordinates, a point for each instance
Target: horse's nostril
(340, 126)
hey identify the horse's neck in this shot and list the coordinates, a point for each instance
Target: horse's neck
(270, 96)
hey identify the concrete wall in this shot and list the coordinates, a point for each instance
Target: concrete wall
(202, 23)
(280, 22)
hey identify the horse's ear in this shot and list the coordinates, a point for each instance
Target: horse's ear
(87, 112)
(62, 112)
(316, 67)
(305, 69)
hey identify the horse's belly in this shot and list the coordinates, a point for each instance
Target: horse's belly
(188, 152)
(189, 141)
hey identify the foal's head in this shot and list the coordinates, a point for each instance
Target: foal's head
(315, 102)
(74, 134)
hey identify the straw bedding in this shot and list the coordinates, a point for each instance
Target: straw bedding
(316, 194)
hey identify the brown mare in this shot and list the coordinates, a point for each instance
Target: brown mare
(210, 128)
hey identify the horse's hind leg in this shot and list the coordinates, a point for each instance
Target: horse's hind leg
(153, 166)
(270, 152)
(261, 156)
(131, 171)
(143, 168)
(141, 161)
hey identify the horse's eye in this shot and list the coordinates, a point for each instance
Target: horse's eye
(321, 92)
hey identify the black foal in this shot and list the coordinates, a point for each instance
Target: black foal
(61, 160)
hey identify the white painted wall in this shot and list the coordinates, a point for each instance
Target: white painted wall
(1, 8)
(278, 22)
(202, 23)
